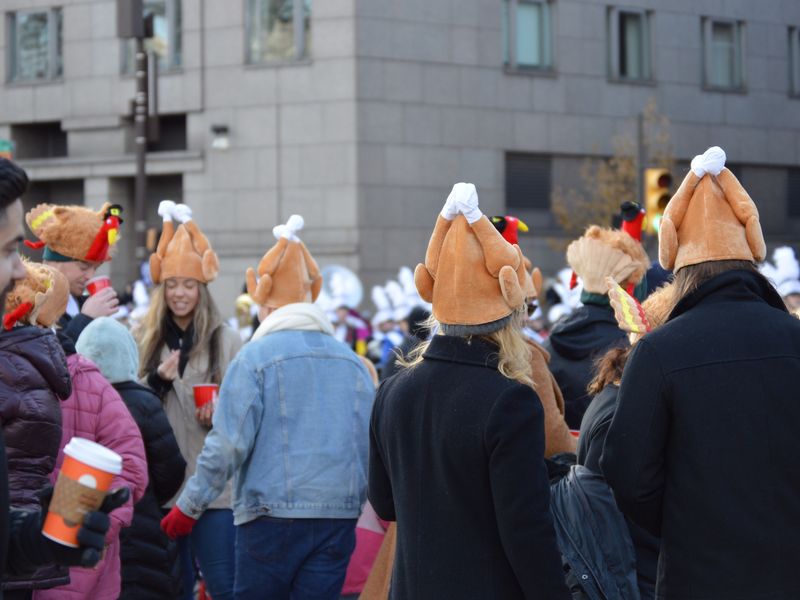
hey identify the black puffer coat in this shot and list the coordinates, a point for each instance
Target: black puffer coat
(148, 556)
(574, 344)
(33, 381)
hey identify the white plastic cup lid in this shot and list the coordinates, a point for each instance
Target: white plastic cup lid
(94, 455)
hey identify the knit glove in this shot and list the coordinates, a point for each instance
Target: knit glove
(176, 523)
(91, 535)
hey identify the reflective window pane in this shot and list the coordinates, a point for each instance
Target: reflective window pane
(272, 33)
(32, 49)
(723, 55)
(529, 35)
(631, 46)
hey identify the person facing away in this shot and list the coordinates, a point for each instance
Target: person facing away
(578, 340)
(291, 428)
(23, 548)
(702, 449)
(184, 342)
(76, 242)
(149, 558)
(33, 381)
(636, 320)
(457, 438)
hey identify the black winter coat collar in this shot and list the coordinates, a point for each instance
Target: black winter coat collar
(587, 329)
(469, 351)
(731, 286)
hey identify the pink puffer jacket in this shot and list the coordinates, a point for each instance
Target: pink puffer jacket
(96, 412)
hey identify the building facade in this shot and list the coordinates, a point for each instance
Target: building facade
(361, 114)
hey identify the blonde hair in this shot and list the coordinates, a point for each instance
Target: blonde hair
(513, 351)
(151, 333)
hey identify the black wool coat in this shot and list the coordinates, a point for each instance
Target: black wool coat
(148, 556)
(456, 458)
(574, 344)
(703, 446)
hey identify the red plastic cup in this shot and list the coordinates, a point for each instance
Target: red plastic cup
(204, 393)
(574, 432)
(98, 283)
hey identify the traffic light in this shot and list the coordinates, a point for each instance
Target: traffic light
(657, 184)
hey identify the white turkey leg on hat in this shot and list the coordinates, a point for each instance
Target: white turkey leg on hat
(711, 161)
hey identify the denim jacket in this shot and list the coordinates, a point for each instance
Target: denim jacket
(291, 428)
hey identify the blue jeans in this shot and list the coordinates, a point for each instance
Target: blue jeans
(293, 559)
(212, 543)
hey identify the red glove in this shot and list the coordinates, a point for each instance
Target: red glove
(176, 523)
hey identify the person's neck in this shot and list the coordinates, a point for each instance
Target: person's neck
(182, 322)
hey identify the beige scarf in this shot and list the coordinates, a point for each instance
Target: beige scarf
(300, 316)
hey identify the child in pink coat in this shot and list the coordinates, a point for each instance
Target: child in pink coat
(95, 411)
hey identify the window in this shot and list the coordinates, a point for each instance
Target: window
(528, 181)
(166, 42)
(278, 30)
(39, 140)
(526, 34)
(794, 61)
(629, 44)
(723, 44)
(35, 45)
(793, 192)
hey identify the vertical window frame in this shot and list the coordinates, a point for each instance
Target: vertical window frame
(55, 58)
(614, 16)
(253, 27)
(739, 85)
(794, 61)
(511, 24)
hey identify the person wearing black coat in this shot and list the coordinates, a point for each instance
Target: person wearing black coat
(33, 381)
(417, 333)
(575, 343)
(456, 445)
(703, 447)
(149, 558)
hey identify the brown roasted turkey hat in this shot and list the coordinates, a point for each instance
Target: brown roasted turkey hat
(182, 252)
(40, 298)
(75, 232)
(711, 217)
(473, 277)
(602, 253)
(287, 273)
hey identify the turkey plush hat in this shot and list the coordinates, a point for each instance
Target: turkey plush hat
(711, 217)
(182, 252)
(287, 273)
(40, 298)
(602, 253)
(473, 277)
(639, 319)
(69, 233)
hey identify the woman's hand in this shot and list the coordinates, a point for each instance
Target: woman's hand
(168, 370)
(206, 412)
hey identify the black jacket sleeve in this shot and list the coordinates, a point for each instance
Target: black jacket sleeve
(75, 326)
(380, 487)
(514, 440)
(165, 463)
(633, 455)
(158, 385)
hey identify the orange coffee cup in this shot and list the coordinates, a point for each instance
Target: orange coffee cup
(95, 284)
(83, 482)
(204, 393)
(574, 433)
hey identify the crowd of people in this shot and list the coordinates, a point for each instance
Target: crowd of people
(624, 430)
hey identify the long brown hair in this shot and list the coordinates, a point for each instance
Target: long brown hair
(513, 352)
(608, 369)
(152, 333)
(689, 278)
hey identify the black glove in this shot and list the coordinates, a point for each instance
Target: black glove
(91, 535)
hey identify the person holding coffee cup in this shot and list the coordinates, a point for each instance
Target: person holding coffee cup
(76, 242)
(184, 343)
(23, 548)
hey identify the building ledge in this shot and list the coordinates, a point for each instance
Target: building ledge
(158, 163)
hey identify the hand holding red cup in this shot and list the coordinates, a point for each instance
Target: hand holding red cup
(95, 284)
(205, 393)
